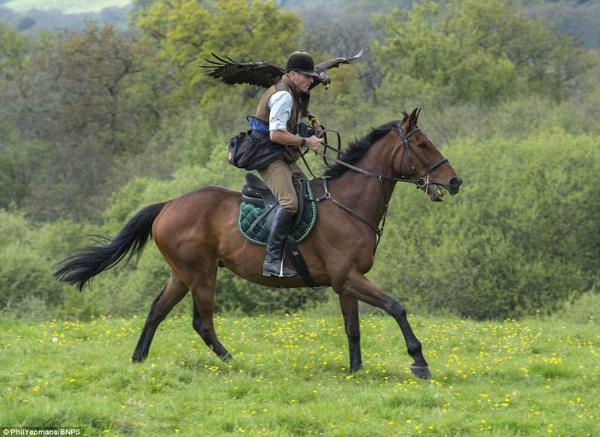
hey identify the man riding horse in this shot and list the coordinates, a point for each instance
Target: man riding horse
(280, 108)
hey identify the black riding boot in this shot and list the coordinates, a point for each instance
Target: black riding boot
(273, 265)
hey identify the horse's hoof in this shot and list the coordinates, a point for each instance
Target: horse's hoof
(226, 357)
(137, 358)
(421, 371)
(354, 369)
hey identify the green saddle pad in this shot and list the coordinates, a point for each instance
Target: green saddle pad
(259, 234)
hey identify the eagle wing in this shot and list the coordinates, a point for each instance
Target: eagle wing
(321, 69)
(232, 72)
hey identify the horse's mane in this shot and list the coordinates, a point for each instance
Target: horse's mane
(358, 148)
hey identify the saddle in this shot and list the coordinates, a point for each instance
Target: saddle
(257, 210)
(256, 193)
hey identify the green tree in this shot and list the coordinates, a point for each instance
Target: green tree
(184, 32)
(473, 51)
(13, 56)
(75, 86)
(20, 164)
(76, 98)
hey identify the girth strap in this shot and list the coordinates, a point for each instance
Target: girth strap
(299, 264)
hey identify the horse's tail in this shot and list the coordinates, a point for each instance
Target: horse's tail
(88, 262)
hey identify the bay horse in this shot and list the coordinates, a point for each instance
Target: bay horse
(197, 233)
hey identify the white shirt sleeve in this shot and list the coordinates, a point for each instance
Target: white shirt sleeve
(280, 107)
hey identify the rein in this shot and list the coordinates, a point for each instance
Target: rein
(422, 182)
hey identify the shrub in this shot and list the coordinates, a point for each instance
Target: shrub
(584, 309)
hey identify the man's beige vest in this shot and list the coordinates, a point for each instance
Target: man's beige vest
(262, 111)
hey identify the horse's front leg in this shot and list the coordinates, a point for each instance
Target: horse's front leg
(360, 287)
(349, 306)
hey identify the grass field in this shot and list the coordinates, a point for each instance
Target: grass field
(289, 377)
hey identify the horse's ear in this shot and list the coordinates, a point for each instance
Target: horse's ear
(414, 116)
(404, 122)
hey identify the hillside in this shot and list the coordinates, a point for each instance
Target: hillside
(65, 6)
(580, 18)
(33, 16)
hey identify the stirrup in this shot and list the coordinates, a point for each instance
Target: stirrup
(281, 272)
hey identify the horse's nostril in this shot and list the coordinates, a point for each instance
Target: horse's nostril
(455, 182)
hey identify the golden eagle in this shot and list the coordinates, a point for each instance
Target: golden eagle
(264, 74)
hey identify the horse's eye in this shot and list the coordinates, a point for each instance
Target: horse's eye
(422, 145)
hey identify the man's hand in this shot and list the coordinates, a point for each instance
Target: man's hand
(289, 139)
(313, 143)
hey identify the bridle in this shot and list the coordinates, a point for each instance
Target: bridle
(422, 182)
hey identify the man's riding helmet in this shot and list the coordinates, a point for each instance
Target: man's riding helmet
(301, 62)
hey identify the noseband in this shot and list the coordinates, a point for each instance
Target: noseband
(421, 182)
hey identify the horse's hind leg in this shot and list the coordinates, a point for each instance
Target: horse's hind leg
(170, 295)
(364, 290)
(205, 327)
(349, 306)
